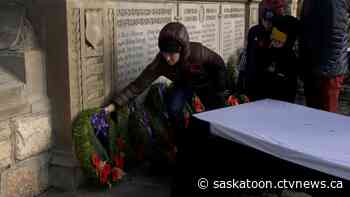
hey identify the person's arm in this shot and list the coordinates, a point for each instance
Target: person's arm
(215, 65)
(251, 69)
(136, 87)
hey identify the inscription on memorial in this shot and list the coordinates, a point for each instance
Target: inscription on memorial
(202, 23)
(93, 32)
(75, 55)
(93, 62)
(210, 27)
(232, 32)
(137, 26)
(191, 16)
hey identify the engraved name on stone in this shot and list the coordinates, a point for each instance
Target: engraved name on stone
(136, 37)
(202, 23)
(190, 14)
(210, 27)
(232, 28)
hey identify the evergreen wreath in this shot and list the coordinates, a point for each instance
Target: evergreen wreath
(102, 145)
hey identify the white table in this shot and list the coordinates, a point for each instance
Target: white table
(312, 138)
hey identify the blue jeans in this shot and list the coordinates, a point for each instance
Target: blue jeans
(176, 100)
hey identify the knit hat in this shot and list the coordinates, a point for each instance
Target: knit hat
(267, 14)
(170, 46)
(277, 6)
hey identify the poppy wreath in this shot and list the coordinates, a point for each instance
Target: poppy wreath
(102, 145)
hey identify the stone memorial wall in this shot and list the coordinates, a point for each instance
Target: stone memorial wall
(112, 43)
(232, 28)
(109, 43)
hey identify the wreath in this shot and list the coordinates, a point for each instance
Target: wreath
(102, 145)
(106, 149)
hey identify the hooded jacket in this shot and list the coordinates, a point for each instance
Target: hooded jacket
(324, 38)
(199, 68)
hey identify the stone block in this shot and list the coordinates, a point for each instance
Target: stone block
(33, 135)
(5, 144)
(5, 153)
(27, 178)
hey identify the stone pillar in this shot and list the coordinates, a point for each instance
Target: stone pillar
(64, 170)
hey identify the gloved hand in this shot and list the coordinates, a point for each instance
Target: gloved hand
(112, 110)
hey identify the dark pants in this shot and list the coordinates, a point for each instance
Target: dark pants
(176, 100)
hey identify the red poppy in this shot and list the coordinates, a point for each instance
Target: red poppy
(198, 106)
(106, 170)
(95, 160)
(120, 143)
(195, 68)
(117, 174)
(232, 101)
(119, 160)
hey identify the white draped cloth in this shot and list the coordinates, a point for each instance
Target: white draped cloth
(312, 138)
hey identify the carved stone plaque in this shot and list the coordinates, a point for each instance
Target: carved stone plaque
(210, 27)
(192, 15)
(232, 29)
(93, 32)
(202, 23)
(137, 26)
(254, 14)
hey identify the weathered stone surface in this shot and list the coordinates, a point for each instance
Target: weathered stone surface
(27, 178)
(5, 144)
(5, 153)
(33, 135)
(5, 131)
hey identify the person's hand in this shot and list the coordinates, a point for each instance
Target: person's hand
(110, 108)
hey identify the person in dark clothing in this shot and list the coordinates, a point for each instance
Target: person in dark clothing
(281, 74)
(258, 43)
(190, 65)
(323, 44)
(257, 51)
